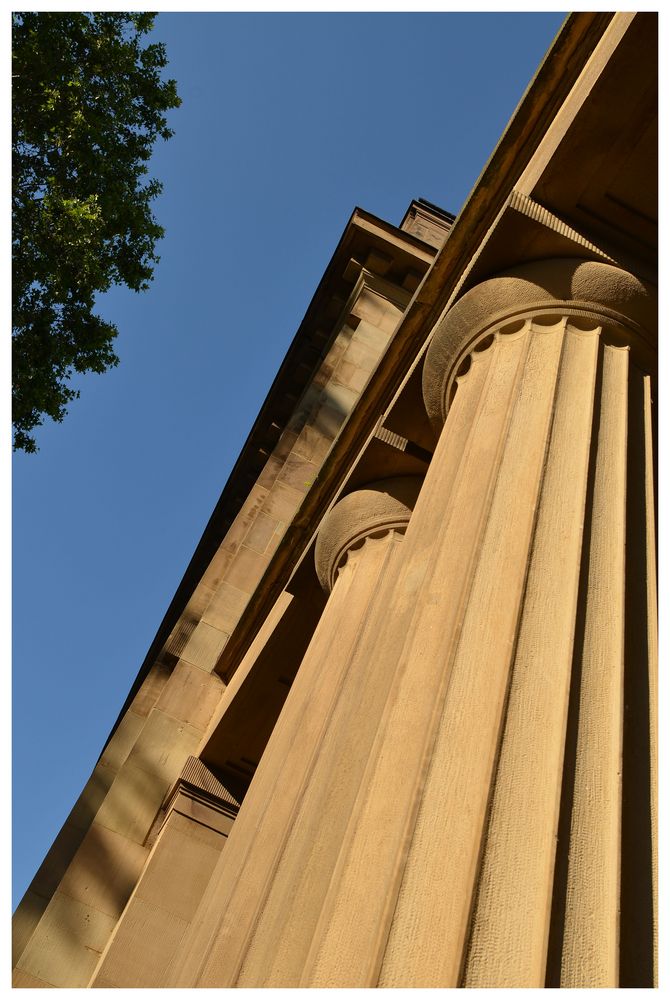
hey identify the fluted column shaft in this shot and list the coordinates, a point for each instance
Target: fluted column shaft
(553, 793)
(466, 795)
(514, 563)
(469, 540)
(257, 919)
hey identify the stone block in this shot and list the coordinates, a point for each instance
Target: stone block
(246, 517)
(92, 797)
(324, 375)
(298, 473)
(201, 822)
(66, 947)
(218, 567)
(282, 502)
(58, 858)
(152, 685)
(104, 871)
(378, 262)
(198, 601)
(328, 421)
(26, 918)
(206, 643)
(361, 355)
(132, 803)
(178, 872)
(122, 741)
(191, 696)
(376, 310)
(340, 398)
(310, 397)
(412, 280)
(226, 607)
(312, 444)
(351, 376)
(202, 815)
(163, 747)
(143, 947)
(100, 983)
(298, 418)
(188, 619)
(23, 980)
(247, 569)
(285, 444)
(338, 347)
(261, 533)
(271, 470)
(372, 337)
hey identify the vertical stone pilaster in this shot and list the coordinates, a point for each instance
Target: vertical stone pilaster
(199, 815)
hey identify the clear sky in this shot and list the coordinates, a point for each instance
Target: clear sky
(288, 122)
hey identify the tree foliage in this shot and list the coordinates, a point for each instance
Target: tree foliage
(88, 105)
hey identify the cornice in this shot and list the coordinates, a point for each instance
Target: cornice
(317, 329)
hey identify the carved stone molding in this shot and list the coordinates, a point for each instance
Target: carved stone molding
(546, 290)
(199, 795)
(383, 506)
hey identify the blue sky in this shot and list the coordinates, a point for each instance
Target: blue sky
(288, 121)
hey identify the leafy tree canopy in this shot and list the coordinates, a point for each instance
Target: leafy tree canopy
(88, 106)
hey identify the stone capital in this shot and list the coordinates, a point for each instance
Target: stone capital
(546, 291)
(382, 506)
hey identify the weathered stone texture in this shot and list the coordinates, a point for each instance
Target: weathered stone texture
(434, 610)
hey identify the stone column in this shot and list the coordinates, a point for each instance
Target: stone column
(497, 821)
(515, 858)
(257, 920)
(506, 729)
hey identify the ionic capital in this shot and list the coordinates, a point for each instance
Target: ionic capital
(380, 507)
(547, 290)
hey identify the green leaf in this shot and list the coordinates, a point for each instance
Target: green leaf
(88, 104)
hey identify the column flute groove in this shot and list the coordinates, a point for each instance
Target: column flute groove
(446, 846)
(591, 944)
(505, 943)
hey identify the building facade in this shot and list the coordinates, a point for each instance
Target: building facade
(398, 725)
